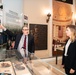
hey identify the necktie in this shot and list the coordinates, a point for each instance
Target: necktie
(24, 46)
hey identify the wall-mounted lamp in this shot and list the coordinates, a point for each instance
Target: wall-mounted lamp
(1, 6)
(48, 17)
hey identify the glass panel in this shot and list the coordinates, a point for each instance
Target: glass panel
(39, 67)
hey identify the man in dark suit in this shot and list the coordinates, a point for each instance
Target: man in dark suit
(30, 47)
(19, 42)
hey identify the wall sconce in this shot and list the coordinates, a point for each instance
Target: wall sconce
(1, 6)
(48, 17)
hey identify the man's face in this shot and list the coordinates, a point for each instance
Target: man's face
(25, 30)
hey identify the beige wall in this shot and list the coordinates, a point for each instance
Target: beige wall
(36, 12)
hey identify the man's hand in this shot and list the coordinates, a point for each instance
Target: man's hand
(32, 56)
(12, 44)
(2, 27)
(25, 60)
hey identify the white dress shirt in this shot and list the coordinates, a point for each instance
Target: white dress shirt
(21, 43)
(66, 47)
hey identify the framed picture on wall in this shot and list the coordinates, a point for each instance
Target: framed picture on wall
(25, 20)
(40, 35)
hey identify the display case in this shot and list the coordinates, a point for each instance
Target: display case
(39, 67)
(6, 68)
(35, 66)
(2, 52)
(21, 69)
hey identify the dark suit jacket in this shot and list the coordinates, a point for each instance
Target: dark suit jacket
(31, 46)
(70, 60)
(10, 35)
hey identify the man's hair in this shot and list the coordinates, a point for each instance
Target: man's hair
(24, 26)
